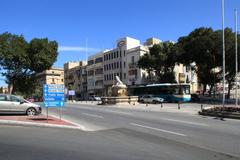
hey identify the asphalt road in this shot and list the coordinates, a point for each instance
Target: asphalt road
(125, 134)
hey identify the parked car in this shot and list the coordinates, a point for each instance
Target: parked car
(150, 99)
(94, 98)
(13, 104)
(195, 98)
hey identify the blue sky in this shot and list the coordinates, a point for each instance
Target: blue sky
(102, 22)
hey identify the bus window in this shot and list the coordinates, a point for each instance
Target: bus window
(186, 90)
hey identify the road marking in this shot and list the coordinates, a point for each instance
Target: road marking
(76, 124)
(119, 112)
(157, 129)
(93, 115)
(193, 123)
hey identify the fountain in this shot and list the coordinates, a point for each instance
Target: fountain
(119, 95)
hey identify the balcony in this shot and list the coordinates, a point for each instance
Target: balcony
(132, 65)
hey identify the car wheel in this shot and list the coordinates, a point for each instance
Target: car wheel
(31, 112)
(154, 102)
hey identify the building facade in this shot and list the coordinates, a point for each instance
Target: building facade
(4, 90)
(75, 78)
(51, 76)
(95, 74)
(122, 62)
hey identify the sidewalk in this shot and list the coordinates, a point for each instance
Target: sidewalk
(186, 108)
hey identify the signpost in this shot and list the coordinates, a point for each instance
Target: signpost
(53, 96)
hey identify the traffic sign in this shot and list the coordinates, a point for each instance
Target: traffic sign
(53, 95)
(71, 93)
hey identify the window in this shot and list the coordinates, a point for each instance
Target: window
(90, 72)
(114, 54)
(132, 59)
(3, 98)
(120, 64)
(98, 71)
(117, 65)
(112, 65)
(124, 64)
(98, 60)
(132, 72)
(124, 75)
(15, 99)
(90, 62)
(124, 53)
(120, 54)
(117, 54)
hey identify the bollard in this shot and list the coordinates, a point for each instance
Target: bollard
(178, 105)
(146, 104)
(161, 105)
(201, 107)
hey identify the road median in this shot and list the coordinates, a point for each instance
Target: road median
(40, 121)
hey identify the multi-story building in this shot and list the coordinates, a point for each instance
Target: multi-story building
(95, 74)
(122, 62)
(51, 76)
(98, 75)
(75, 78)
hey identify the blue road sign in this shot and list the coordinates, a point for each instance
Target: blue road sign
(53, 95)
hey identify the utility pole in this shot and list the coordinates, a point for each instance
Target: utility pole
(223, 54)
(236, 58)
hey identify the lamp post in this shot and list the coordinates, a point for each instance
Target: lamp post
(223, 54)
(236, 59)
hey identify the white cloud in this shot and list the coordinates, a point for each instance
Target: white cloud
(77, 49)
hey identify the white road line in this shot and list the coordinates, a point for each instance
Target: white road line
(76, 124)
(92, 115)
(157, 129)
(119, 112)
(180, 121)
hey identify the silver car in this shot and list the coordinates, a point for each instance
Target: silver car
(151, 99)
(13, 104)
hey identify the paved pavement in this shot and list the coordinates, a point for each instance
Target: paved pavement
(126, 132)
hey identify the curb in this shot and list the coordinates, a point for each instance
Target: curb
(218, 114)
(12, 122)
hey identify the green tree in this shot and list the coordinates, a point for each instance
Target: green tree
(229, 55)
(21, 61)
(200, 47)
(161, 61)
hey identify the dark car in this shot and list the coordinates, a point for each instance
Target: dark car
(195, 98)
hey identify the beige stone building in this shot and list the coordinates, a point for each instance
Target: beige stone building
(51, 76)
(95, 74)
(75, 78)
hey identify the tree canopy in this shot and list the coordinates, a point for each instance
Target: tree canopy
(21, 60)
(161, 61)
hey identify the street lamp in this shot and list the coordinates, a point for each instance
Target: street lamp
(236, 59)
(223, 54)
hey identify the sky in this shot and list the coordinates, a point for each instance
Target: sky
(97, 24)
